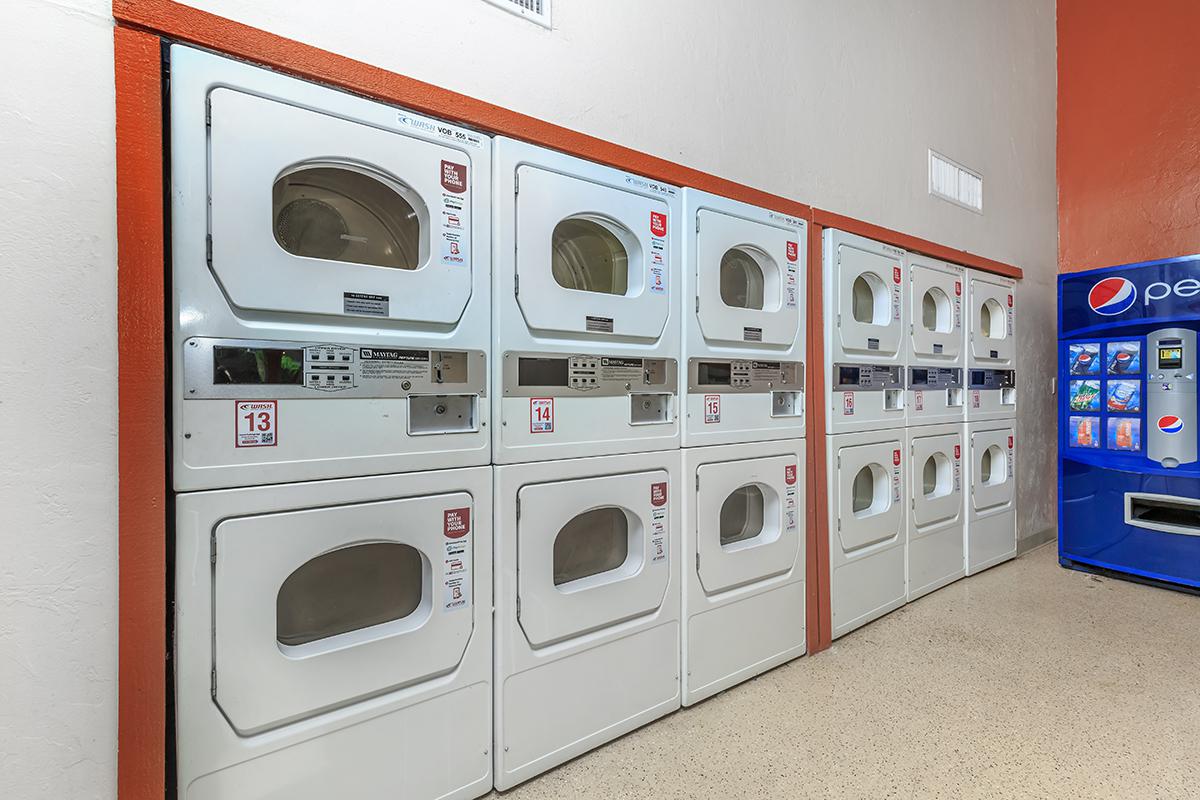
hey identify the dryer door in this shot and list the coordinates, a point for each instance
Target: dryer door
(318, 608)
(991, 322)
(591, 259)
(747, 280)
(936, 478)
(936, 312)
(992, 460)
(314, 214)
(591, 553)
(868, 302)
(747, 520)
(870, 511)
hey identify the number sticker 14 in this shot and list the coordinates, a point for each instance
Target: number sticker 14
(256, 423)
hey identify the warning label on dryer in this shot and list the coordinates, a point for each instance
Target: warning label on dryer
(896, 476)
(792, 289)
(658, 253)
(456, 230)
(790, 512)
(658, 521)
(897, 275)
(957, 466)
(375, 305)
(457, 568)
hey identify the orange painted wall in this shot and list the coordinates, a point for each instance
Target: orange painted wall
(1128, 131)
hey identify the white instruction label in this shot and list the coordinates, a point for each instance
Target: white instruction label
(957, 305)
(658, 521)
(457, 533)
(974, 398)
(896, 476)
(256, 423)
(456, 211)
(541, 415)
(957, 466)
(897, 274)
(792, 289)
(658, 252)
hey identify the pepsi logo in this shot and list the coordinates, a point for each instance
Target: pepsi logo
(1112, 296)
(1169, 423)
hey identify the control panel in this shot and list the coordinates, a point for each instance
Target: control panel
(744, 375)
(585, 375)
(1171, 396)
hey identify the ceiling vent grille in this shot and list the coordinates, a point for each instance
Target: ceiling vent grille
(952, 181)
(533, 10)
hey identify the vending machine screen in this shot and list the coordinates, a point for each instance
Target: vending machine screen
(1170, 355)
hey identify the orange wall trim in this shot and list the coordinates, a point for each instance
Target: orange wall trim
(1128, 132)
(142, 735)
(141, 435)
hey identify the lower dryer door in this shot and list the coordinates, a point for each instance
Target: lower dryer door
(747, 525)
(315, 609)
(591, 553)
(936, 479)
(869, 509)
(992, 483)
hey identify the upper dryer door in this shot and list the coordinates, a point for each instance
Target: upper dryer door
(314, 214)
(936, 312)
(747, 280)
(315, 609)
(868, 295)
(591, 259)
(991, 337)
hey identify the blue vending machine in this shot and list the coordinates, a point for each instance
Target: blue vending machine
(1128, 475)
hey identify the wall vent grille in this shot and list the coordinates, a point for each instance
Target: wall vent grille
(952, 181)
(533, 10)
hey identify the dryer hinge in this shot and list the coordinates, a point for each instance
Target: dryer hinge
(516, 285)
(697, 483)
(517, 183)
(697, 223)
(212, 549)
(208, 114)
(518, 509)
(697, 304)
(518, 606)
(208, 249)
(697, 562)
(839, 320)
(212, 683)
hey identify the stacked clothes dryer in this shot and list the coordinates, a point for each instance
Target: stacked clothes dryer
(866, 353)
(935, 400)
(586, 438)
(742, 300)
(332, 542)
(990, 428)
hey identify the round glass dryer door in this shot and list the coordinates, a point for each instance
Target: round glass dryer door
(592, 553)
(748, 520)
(868, 302)
(315, 609)
(748, 282)
(593, 259)
(316, 214)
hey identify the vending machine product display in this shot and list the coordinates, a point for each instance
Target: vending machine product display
(1129, 479)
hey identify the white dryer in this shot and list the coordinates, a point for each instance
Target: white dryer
(936, 511)
(586, 605)
(867, 526)
(334, 639)
(743, 562)
(991, 534)
(866, 325)
(586, 334)
(991, 347)
(936, 352)
(330, 281)
(743, 298)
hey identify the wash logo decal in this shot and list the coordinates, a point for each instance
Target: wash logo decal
(1169, 423)
(1112, 296)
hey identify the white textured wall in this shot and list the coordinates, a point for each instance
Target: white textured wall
(830, 103)
(58, 404)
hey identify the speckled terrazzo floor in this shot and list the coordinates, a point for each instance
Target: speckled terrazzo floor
(1025, 681)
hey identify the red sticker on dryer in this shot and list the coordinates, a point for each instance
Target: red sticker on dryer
(658, 223)
(896, 274)
(793, 251)
(256, 423)
(454, 177)
(1010, 301)
(958, 288)
(541, 415)
(957, 452)
(1010, 443)
(658, 494)
(895, 458)
(457, 522)
(789, 474)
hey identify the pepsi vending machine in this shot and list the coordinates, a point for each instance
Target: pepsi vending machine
(1129, 480)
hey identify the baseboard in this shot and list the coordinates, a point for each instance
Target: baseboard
(1036, 540)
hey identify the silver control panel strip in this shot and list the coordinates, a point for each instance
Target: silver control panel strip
(250, 369)
(933, 378)
(585, 375)
(744, 376)
(866, 377)
(992, 378)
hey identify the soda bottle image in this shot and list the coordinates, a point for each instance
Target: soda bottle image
(1083, 433)
(1083, 361)
(1121, 396)
(1122, 360)
(1125, 434)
